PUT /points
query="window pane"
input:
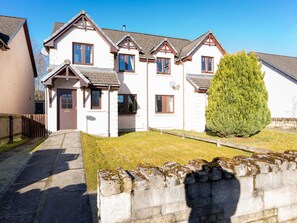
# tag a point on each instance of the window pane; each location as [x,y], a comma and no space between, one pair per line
[88,54]
[166,66]
[169,103]
[77,53]
[203,63]
[159,65]
[122,62]
[66,101]
[95,98]
[209,65]
[121,107]
[131,104]
[130,63]
[158,103]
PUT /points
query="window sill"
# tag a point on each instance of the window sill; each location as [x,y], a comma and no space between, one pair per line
[127,72]
[125,114]
[163,113]
[164,75]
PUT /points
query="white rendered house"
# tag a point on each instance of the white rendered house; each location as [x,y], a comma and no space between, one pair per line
[281,83]
[104,81]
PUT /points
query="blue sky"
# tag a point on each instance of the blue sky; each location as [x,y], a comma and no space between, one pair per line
[264,25]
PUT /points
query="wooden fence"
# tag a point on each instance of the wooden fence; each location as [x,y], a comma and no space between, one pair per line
[16,126]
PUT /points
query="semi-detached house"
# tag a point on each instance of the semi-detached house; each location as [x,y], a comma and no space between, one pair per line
[104,81]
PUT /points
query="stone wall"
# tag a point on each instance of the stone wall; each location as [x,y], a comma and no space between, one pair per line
[261,188]
[286,123]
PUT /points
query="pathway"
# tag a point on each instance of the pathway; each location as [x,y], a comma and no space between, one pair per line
[52,187]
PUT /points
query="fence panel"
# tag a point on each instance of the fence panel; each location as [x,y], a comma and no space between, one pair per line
[16,126]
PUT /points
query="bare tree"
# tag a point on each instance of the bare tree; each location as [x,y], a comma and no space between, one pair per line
[41,62]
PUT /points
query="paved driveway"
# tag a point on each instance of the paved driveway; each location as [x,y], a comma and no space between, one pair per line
[52,187]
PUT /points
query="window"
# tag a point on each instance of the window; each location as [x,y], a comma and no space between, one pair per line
[207,64]
[164,103]
[66,101]
[163,65]
[127,104]
[82,53]
[126,62]
[95,98]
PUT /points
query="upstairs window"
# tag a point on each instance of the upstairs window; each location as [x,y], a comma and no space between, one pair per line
[126,62]
[207,64]
[83,53]
[163,65]
[164,104]
[127,104]
[95,98]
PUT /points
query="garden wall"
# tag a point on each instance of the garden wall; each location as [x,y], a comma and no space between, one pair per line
[262,188]
[287,123]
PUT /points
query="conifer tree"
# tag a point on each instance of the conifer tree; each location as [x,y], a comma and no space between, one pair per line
[237,97]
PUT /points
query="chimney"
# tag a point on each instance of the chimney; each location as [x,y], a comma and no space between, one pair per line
[124,28]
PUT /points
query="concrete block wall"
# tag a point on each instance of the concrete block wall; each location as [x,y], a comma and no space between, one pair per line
[260,188]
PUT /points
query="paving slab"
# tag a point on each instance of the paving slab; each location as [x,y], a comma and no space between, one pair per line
[52,186]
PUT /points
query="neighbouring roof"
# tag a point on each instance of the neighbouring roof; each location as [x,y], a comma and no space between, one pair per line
[90,75]
[9,27]
[147,42]
[200,82]
[285,64]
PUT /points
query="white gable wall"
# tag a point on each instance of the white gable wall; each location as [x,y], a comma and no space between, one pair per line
[282,93]
[63,47]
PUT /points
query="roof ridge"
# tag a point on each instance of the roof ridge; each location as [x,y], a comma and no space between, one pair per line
[275,54]
[197,38]
[15,17]
[146,34]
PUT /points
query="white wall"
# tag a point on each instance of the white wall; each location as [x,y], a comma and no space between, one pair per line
[63,48]
[194,66]
[159,85]
[93,121]
[282,93]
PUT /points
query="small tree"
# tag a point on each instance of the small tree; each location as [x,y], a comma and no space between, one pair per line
[237,101]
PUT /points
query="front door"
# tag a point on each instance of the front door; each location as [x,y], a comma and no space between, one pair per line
[67,109]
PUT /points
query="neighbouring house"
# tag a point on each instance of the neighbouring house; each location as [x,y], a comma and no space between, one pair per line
[281,84]
[104,81]
[17,67]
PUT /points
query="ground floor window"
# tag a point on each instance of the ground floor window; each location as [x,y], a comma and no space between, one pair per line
[95,98]
[127,104]
[164,103]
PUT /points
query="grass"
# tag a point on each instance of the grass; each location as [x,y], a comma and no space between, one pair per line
[8,146]
[267,139]
[131,149]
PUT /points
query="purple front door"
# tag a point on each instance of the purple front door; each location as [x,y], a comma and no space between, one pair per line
[67,116]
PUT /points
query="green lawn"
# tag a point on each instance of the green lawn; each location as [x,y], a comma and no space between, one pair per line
[8,146]
[266,139]
[131,149]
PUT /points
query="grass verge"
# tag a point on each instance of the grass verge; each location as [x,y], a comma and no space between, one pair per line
[131,149]
[8,146]
[266,139]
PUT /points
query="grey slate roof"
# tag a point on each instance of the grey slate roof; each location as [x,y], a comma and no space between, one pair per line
[146,41]
[185,51]
[9,26]
[91,75]
[285,64]
[199,81]
[100,76]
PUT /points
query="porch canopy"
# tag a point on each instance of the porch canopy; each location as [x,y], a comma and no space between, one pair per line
[87,76]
